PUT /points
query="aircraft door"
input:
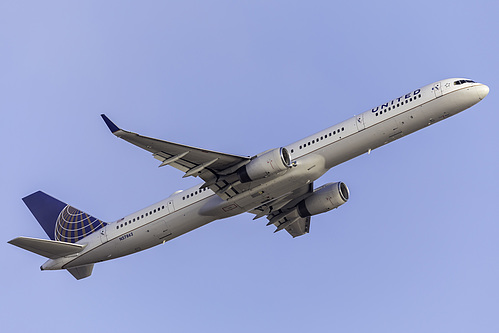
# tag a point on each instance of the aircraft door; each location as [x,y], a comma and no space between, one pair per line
[437,89]
[171,207]
[103,235]
[360,122]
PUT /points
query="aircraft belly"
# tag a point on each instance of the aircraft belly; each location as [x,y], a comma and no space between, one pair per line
[396,127]
[137,240]
[187,220]
[360,143]
[449,105]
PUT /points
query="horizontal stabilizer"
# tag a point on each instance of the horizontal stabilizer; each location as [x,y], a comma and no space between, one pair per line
[47,248]
[81,272]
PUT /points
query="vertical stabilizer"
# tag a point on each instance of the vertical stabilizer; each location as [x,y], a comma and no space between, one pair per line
[61,221]
[45,209]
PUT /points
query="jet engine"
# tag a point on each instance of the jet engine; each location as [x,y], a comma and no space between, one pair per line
[323,199]
[269,163]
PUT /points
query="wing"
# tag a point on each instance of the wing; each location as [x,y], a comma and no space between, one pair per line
[283,214]
[208,165]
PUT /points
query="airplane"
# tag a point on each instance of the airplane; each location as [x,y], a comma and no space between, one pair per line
[277,183]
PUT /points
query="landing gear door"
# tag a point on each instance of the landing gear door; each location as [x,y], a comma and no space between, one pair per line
[360,122]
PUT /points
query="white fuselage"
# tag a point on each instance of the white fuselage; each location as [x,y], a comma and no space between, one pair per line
[312,157]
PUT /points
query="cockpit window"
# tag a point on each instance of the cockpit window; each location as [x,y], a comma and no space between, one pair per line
[456,83]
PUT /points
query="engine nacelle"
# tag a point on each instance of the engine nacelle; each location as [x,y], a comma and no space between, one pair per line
[269,163]
[324,198]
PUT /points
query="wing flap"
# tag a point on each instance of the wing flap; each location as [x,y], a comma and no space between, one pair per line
[285,202]
[282,212]
[300,227]
[47,248]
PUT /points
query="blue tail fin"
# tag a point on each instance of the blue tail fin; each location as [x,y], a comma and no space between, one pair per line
[59,220]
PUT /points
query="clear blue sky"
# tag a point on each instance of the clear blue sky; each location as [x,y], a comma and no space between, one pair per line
[414,250]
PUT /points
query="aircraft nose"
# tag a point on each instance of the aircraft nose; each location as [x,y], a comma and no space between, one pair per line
[482,91]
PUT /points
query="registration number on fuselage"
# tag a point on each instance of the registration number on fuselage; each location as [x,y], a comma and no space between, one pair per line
[130,234]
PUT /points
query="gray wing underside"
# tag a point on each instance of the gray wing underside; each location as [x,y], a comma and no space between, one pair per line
[211,166]
[182,157]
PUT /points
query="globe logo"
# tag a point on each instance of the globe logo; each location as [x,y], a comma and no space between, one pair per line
[73,225]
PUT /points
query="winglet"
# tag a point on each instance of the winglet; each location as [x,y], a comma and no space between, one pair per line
[112,127]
